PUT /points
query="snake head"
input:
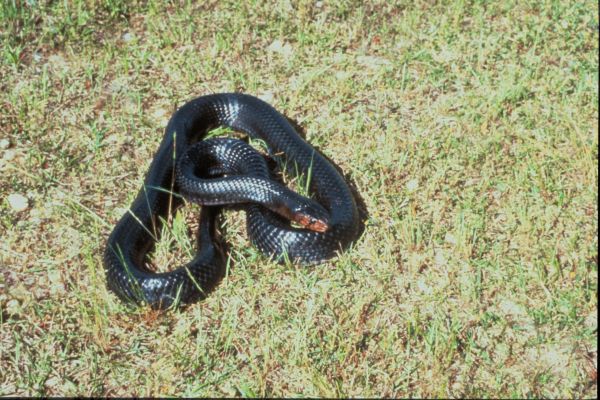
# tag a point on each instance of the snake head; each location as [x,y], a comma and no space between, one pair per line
[311,223]
[304,211]
[310,215]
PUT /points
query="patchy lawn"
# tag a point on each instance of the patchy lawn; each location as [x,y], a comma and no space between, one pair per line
[469,128]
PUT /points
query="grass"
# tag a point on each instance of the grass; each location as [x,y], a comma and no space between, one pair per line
[469,128]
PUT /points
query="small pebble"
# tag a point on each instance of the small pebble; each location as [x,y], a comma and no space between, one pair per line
[449,238]
[4,144]
[280,47]
[412,185]
[266,96]
[9,155]
[17,202]
[13,307]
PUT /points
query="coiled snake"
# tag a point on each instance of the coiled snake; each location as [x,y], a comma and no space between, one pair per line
[216,172]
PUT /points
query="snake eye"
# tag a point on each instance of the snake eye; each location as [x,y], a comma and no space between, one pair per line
[318,225]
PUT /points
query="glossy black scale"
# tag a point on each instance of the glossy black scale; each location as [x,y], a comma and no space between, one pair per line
[135,233]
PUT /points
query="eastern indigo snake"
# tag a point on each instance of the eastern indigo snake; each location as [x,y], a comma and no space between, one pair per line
[216,172]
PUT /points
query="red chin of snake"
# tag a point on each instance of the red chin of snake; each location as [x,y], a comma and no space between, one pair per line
[316,225]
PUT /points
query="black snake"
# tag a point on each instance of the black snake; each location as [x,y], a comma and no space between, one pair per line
[217,172]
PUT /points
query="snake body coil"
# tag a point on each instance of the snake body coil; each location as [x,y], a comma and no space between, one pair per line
[225,171]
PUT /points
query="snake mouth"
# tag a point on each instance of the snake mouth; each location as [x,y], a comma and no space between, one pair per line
[311,223]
